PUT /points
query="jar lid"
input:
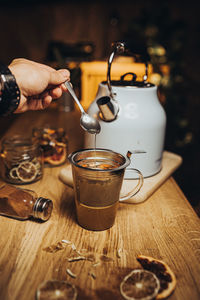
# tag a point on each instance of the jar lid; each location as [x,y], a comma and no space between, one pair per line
[19,143]
[42,209]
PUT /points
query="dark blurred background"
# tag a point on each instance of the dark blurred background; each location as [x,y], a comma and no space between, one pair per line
[57,32]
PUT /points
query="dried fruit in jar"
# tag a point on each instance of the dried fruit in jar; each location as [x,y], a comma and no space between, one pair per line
[13,173]
[26,171]
[53,143]
[58,156]
[21,160]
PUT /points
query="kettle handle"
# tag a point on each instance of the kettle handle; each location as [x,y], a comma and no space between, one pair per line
[118,47]
[134,76]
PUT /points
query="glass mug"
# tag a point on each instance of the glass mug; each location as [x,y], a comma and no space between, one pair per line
[98,175]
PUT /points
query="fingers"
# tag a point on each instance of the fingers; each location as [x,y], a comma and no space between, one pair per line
[59,77]
[46,101]
[64,88]
[39,104]
[39,89]
[34,104]
[54,93]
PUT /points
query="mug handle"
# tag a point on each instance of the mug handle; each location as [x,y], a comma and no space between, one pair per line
[136,188]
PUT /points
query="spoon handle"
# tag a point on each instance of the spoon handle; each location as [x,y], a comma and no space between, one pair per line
[71,90]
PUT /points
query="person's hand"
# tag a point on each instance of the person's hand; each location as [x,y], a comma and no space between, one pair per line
[39,84]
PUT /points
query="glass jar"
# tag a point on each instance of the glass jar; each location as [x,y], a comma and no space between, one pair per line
[22,161]
[54,143]
[22,204]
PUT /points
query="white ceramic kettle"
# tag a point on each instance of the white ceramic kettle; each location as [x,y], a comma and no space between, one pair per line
[131,118]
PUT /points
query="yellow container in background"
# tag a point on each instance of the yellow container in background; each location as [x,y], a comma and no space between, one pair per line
[93,73]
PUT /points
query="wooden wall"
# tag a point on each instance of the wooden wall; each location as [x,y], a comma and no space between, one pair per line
[26,27]
[30,27]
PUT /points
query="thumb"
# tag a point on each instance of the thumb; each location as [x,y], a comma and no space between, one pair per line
[58,77]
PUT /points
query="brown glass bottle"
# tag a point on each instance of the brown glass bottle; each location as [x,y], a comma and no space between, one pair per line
[22,204]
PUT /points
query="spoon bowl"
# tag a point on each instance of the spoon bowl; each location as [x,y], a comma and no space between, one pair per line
[87,122]
[90,124]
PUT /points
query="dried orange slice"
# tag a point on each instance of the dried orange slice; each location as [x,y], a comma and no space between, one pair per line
[56,290]
[57,158]
[26,171]
[162,271]
[49,131]
[13,173]
[140,285]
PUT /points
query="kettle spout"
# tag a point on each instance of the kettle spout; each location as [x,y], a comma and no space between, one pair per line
[130,152]
[108,108]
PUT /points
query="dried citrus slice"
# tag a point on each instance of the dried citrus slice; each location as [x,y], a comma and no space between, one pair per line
[36,162]
[13,173]
[140,285]
[162,271]
[38,165]
[57,158]
[26,171]
[56,290]
[49,130]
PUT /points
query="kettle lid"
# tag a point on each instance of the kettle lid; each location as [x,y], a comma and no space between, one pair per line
[122,82]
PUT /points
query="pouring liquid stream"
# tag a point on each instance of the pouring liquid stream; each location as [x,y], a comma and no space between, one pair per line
[95,146]
[97,162]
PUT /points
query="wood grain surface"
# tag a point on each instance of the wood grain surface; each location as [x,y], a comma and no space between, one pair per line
[165,227]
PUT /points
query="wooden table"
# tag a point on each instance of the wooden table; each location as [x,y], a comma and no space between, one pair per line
[165,227]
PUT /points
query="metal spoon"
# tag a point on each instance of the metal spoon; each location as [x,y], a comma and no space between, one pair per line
[87,122]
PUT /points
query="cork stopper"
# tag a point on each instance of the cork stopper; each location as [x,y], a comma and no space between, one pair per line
[42,209]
